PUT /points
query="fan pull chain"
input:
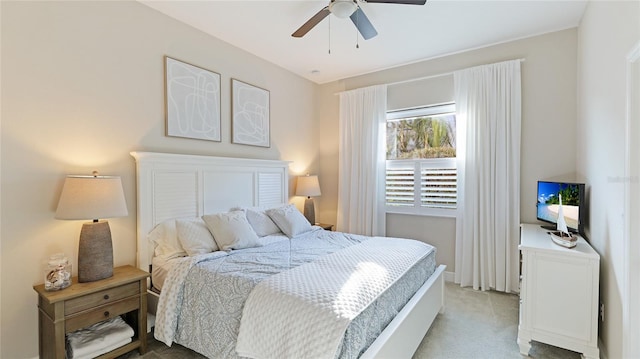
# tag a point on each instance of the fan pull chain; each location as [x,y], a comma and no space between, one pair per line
[357,27]
[329,35]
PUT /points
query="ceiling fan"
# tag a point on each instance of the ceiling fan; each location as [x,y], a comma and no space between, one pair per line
[351,9]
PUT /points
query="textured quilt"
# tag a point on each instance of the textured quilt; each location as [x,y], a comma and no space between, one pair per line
[203,296]
[305,311]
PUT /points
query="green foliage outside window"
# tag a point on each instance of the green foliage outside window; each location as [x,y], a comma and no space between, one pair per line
[421,137]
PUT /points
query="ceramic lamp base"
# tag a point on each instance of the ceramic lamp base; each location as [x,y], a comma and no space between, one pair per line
[309,210]
[95,252]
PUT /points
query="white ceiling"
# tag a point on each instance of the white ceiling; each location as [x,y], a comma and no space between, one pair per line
[406,33]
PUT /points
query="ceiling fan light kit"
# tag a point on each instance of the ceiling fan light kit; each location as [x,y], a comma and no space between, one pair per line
[343,8]
[350,8]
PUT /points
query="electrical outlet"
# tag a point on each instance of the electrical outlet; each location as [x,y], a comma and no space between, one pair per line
[602,311]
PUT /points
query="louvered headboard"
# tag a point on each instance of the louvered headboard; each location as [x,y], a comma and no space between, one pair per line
[176,186]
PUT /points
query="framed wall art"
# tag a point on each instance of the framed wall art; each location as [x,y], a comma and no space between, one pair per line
[249,114]
[192,97]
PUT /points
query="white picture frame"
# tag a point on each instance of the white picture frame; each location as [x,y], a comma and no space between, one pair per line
[250,114]
[192,100]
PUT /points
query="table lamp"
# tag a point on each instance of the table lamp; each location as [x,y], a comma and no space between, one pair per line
[308,186]
[93,197]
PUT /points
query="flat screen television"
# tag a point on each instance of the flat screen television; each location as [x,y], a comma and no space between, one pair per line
[573,204]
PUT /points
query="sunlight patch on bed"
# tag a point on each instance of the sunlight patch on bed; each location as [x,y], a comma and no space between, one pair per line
[365,278]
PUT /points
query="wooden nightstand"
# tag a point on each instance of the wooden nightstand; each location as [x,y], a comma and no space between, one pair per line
[325,226]
[83,304]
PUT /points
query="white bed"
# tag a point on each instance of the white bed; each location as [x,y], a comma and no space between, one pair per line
[174,186]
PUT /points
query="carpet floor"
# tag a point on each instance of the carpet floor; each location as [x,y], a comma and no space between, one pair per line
[474,325]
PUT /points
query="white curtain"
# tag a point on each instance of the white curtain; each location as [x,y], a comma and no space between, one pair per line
[362,161]
[488,103]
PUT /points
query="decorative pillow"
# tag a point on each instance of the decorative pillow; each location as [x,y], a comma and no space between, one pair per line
[261,223]
[231,230]
[165,237]
[289,220]
[195,237]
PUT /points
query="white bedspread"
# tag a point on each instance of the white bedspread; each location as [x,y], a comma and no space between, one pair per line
[304,312]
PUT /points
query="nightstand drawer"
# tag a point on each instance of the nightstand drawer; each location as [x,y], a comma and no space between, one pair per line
[100,298]
[101,313]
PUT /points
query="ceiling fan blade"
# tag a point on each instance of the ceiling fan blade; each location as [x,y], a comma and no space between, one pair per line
[363,24]
[315,20]
[405,2]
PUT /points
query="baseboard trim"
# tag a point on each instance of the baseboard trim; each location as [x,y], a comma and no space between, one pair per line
[449,277]
[603,349]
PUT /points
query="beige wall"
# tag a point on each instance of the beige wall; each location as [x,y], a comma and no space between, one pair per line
[82,86]
[548,121]
[418,93]
[438,231]
[327,114]
[607,33]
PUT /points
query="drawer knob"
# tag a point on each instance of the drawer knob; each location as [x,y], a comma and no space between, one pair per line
[106,314]
[106,297]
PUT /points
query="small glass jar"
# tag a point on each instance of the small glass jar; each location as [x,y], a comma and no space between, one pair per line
[57,274]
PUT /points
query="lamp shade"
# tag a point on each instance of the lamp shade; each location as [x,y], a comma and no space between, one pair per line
[91,197]
[308,186]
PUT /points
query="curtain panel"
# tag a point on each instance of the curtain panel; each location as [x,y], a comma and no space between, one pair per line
[362,161]
[488,103]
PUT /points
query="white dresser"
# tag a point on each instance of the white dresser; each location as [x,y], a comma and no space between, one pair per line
[558,293]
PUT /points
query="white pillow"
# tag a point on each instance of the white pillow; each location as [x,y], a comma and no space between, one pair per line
[231,230]
[194,236]
[165,237]
[261,223]
[289,220]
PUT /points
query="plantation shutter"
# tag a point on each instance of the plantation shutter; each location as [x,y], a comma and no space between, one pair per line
[421,186]
[400,185]
[438,188]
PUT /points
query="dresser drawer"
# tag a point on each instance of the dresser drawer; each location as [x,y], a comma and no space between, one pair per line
[107,296]
[101,313]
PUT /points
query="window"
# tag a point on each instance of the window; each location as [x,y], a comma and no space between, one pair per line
[421,161]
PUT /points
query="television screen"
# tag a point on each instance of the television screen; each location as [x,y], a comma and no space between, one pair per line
[572,203]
